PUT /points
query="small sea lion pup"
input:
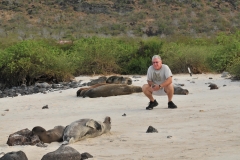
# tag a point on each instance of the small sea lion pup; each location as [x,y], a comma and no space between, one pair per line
[85,128]
[52,135]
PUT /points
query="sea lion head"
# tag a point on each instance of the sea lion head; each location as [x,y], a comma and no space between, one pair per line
[79,92]
[127,80]
[38,130]
[107,122]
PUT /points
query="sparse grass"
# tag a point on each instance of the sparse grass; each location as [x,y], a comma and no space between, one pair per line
[60,14]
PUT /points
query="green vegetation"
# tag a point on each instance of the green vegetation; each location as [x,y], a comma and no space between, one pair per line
[26,60]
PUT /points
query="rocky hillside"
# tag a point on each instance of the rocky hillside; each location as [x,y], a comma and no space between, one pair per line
[69,19]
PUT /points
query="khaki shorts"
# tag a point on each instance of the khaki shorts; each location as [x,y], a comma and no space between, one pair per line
[160,92]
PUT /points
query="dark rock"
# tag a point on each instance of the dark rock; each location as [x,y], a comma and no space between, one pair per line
[43,85]
[124,114]
[151,130]
[213,86]
[74,85]
[23,137]
[63,153]
[180,91]
[225,74]
[57,86]
[45,107]
[136,77]
[35,90]
[169,136]
[19,155]
[86,155]
[42,90]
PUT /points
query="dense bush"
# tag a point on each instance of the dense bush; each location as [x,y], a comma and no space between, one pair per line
[27,61]
[234,69]
[179,57]
[100,55]
[139,61]
[228,51]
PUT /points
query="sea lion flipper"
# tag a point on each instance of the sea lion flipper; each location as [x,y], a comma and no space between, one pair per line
[94,124]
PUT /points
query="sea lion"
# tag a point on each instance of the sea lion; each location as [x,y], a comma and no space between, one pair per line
[81,91]
[52,135]
[119,80]
[112,90]
[85,128]
[96,81]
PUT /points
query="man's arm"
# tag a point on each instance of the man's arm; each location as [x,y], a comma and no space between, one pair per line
[166,82]
[150,83]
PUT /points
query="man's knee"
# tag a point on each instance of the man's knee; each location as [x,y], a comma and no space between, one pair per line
[145,87]
[169,88]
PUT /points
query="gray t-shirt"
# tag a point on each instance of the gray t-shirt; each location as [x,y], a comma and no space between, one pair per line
[158,76]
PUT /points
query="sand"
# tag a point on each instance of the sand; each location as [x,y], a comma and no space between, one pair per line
[205,125]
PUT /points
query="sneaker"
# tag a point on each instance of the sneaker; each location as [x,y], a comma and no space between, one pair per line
[151,105]
[171,105]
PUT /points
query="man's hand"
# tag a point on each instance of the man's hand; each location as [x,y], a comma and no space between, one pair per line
[155,87]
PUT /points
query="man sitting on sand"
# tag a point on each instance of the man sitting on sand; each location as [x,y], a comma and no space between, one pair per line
[159,79]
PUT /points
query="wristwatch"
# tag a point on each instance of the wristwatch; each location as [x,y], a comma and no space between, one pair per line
[160,86]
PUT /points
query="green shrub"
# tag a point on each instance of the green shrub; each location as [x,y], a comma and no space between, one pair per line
[180,56]
[228,52]
[31,59]
[99,55]
[139,61]
[234,69]
[28,60]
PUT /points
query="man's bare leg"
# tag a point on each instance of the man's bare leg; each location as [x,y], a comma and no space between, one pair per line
[170,91]
[146,90]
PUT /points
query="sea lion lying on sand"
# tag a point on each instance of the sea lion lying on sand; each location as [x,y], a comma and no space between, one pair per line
[119,80]
[106,90]
[85,128]
[81,91]
[112,80]
[52,135]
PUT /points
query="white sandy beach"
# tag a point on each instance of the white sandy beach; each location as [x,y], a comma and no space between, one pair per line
[205,126]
